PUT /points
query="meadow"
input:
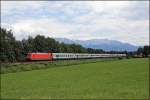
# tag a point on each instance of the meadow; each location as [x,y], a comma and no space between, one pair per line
[116,79]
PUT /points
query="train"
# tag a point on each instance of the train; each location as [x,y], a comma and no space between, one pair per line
[67,56]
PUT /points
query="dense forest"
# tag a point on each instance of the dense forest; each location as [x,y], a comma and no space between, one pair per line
[13,50]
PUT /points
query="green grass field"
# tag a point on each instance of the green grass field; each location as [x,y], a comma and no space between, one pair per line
[119,79]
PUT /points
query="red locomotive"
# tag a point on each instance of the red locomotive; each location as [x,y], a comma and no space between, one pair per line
[39,56]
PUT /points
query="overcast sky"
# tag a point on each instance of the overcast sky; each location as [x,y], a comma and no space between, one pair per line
[126,21]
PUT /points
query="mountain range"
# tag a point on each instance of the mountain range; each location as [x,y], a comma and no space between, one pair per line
[105,44]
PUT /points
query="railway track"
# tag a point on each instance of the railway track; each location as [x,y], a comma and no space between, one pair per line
[30,62]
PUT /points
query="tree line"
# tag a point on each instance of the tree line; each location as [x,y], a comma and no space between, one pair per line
[13,50]
[143,52]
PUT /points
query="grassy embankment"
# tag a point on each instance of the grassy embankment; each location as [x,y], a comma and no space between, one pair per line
[28,66]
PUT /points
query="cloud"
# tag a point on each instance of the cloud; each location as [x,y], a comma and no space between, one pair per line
[47,27]
[127,21]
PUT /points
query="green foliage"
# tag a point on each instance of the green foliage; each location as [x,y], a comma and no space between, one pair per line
[7,44]
[145,51]
[90,50]
[120,79]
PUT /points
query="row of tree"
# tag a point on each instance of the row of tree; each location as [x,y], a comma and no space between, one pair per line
[143,52]
[13,50]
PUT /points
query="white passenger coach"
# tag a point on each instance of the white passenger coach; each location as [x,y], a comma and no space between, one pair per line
[84,55]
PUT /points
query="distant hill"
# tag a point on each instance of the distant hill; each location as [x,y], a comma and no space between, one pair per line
[105,44]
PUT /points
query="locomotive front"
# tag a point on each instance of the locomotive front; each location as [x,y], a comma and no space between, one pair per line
[39,56]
